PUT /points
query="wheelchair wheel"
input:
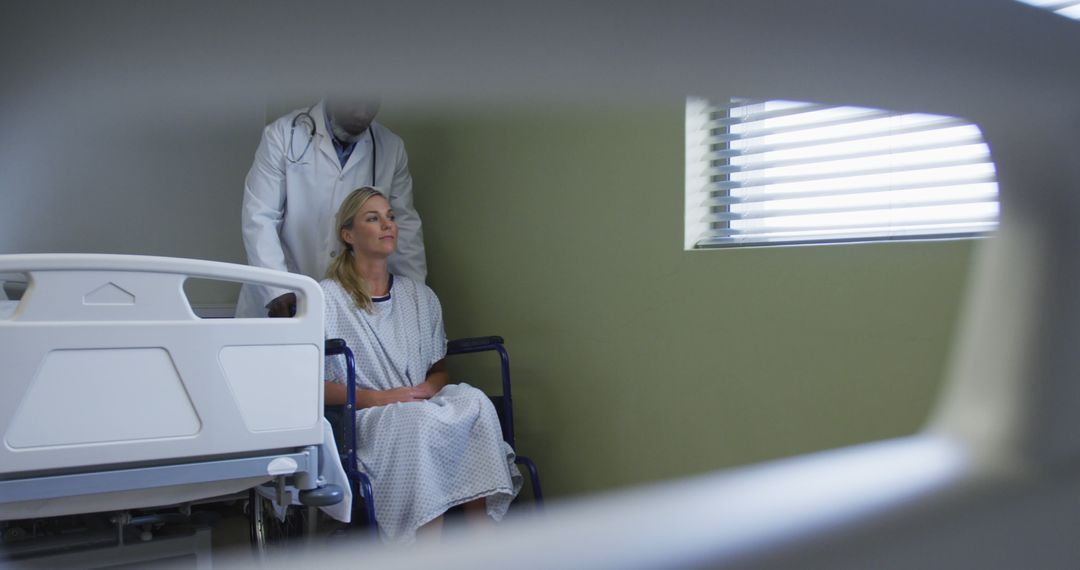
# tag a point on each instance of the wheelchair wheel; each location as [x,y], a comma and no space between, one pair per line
[270,535]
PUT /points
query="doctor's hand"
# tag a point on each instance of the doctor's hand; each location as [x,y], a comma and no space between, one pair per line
[283,306]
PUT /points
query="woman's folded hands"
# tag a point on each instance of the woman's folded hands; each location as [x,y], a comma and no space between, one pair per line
[374,398]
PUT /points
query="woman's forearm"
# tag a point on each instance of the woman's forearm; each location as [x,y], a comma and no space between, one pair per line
[334,394]
[437,379]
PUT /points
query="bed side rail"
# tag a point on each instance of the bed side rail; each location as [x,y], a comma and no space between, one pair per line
[105,363]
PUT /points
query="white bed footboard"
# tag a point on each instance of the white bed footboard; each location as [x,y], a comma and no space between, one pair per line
[104,363]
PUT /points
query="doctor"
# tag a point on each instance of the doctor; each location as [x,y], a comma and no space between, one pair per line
[307,162]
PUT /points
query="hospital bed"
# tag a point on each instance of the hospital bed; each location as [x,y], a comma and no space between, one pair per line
[115,396]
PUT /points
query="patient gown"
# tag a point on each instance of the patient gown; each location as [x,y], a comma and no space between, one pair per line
[422,457]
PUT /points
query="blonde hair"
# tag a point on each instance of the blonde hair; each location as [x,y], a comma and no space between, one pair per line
[342,268]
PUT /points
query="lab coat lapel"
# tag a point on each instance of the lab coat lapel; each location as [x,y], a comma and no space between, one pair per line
[326,145]
[360,154]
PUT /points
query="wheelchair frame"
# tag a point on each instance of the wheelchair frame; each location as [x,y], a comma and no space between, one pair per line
[361,483]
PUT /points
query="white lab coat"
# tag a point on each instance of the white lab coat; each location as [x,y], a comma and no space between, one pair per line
[289,209]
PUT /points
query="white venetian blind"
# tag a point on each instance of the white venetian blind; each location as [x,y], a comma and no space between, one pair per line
[1067,8]
[765,172]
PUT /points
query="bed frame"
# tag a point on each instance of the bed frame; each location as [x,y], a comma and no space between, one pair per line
[115,395]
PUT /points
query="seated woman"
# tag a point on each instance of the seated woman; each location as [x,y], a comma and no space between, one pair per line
[426,445]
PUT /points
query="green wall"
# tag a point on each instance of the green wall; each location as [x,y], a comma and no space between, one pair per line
[636,361]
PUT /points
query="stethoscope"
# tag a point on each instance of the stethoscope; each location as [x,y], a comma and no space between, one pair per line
[305,116]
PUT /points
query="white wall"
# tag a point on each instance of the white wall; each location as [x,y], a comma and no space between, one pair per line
[118,169]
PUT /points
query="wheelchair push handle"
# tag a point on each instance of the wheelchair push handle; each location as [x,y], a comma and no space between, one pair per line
[334,346]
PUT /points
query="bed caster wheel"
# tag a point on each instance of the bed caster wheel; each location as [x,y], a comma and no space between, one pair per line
[13,533]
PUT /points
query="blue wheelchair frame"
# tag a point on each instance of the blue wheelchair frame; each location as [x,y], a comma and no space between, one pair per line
[503,403]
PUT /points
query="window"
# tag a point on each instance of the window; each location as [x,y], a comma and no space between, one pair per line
[1067,8]
[787,172]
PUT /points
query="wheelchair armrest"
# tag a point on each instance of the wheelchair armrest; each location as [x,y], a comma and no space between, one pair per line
[473,344]
[502,403]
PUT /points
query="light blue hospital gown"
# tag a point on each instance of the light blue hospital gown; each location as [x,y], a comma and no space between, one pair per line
[422,457]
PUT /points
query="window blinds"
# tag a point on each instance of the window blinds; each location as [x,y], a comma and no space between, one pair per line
[793,172]
[1067,8]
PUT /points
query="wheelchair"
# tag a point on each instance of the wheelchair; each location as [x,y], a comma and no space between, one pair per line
[343,419]
[270,533]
